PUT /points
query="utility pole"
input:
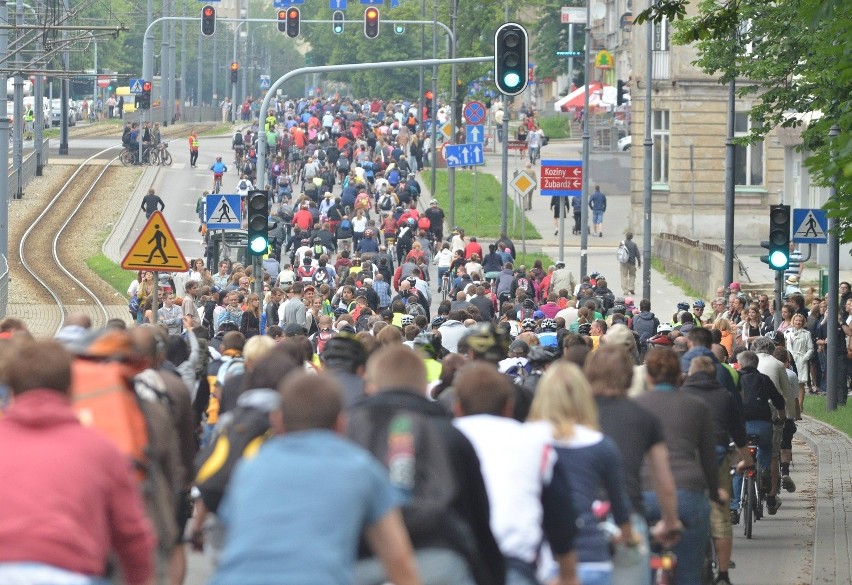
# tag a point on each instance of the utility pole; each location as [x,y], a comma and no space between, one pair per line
[4,137]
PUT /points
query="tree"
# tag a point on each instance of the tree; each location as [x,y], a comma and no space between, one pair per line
[794,59]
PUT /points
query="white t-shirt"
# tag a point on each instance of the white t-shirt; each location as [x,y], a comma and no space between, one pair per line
[359,224]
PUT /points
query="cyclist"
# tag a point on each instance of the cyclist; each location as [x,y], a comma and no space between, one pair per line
[239,148]
[218,169]
[758,392]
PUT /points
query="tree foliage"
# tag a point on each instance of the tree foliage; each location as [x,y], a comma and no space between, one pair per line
[796,60]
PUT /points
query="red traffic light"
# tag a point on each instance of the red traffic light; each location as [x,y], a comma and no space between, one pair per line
[208,21]
[146,86]
[293,24]
[235,66]
[209,11]
[282,21]
[428,95]
[294,13]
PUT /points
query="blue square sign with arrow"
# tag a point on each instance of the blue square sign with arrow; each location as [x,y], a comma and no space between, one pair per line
[464,155]
[474,133]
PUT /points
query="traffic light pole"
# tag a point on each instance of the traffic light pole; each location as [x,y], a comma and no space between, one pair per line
[262,147]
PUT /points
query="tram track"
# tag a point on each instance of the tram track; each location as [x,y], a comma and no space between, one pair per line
[42,249]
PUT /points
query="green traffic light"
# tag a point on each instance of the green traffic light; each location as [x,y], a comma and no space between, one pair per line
[258,245]
[778,259]
[338,29]
[511,79]
[399,29]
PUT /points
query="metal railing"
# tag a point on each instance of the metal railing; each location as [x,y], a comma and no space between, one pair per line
[4,286]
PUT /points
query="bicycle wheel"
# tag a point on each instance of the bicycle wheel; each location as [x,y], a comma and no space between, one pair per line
[748,506]
[126,157]
[166,158]
[216,186]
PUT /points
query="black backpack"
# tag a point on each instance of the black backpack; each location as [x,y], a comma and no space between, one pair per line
[241,436]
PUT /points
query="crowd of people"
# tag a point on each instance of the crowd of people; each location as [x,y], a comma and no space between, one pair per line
[348,426]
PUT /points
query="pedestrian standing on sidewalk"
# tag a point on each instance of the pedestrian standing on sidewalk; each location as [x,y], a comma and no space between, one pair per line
[628,269]
[557,204]
[531,173]
[597,203]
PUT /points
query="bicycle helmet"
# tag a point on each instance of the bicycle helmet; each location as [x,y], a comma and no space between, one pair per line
[218,159]
[619,309]
[584,328]
[344,350]
[683,306]
[368,233]
[411,221]
[487,341]
[407,320]
[433,202]
[664,328]
[529,304]
[548,324]
[426,342]
[773,336]
[438,321]
[699,304]
[340,311]
[528,324]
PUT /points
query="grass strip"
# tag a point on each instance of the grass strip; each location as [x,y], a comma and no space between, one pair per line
[840,418]
[478,213]
[111,272]
[658,265]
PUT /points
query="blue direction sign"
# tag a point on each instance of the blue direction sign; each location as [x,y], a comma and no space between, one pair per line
[810,226]
[474,133]
[223,212]
[474,112]
[464,155]
[372,1]
[265,82]
[561,178]
[285,3]
[136,86]
[337,4]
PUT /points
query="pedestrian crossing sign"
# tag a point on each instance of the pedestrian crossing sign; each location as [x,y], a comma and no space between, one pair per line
[223,212]
[136,86]
[810,226]
[155,248]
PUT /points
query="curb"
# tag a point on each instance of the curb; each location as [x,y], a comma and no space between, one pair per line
[832,557]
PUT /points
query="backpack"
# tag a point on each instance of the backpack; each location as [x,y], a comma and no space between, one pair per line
[417,454]
[524,283]
[393,177]
[321,338]
[423,223]
[306,273]
[241,436]
[414,308]
[346,224]
[319,249]
[622,254]
[343,164]
[243,185]
[386,202]
[321,276]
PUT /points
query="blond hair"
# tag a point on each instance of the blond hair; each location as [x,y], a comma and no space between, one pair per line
[564,398]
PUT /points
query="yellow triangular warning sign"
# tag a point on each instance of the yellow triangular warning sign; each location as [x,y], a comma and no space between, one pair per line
[155,248]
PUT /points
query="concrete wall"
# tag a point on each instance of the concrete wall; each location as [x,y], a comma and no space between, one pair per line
[699,265]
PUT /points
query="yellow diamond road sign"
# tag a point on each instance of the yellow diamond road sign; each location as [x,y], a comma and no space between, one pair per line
[523,183]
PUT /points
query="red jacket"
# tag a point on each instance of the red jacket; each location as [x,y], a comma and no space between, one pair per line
[68,497]
[472,248]
[304,219]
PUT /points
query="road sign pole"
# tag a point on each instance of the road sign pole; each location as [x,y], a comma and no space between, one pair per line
[154,304]
[504,199]
[562,230]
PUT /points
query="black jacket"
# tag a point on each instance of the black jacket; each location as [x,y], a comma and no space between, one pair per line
[465,526]
[726,416]
[758,391]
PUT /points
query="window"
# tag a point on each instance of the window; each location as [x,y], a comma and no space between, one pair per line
[660,136]
[748,159]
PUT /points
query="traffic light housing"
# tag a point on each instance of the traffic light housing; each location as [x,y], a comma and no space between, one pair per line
[294,24]
[208,21]
[145,96]
[619,93]
[338,19]
[778,243]
[257,205]
[282,21]
[511,58]
[371,22]
[235,70]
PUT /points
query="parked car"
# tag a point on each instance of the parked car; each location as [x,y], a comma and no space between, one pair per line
[624,143]
[56,113]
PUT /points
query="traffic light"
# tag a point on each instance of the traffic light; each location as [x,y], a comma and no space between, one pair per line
[619,93]
[282,21]
[145,96]
[399,29]
[511,56]
[258,222]
[778,243]
[208,21]
[337,22]
[293,23]
[235,70]
[371,22]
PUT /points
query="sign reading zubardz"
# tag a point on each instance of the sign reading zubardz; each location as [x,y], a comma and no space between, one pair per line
[561,178]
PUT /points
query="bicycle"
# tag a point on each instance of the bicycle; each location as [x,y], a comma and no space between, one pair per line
[239,156]
[161,155]
[663,563]
[751,496]
[743,268]
[217,183]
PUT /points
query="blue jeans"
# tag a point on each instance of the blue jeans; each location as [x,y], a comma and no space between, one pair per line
[594,574]
[441,272]
[435,566]
[763,429]
[693,508]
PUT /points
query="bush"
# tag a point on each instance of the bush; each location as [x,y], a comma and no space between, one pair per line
[556,126]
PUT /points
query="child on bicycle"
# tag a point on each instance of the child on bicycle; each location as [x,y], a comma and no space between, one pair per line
[218,169]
